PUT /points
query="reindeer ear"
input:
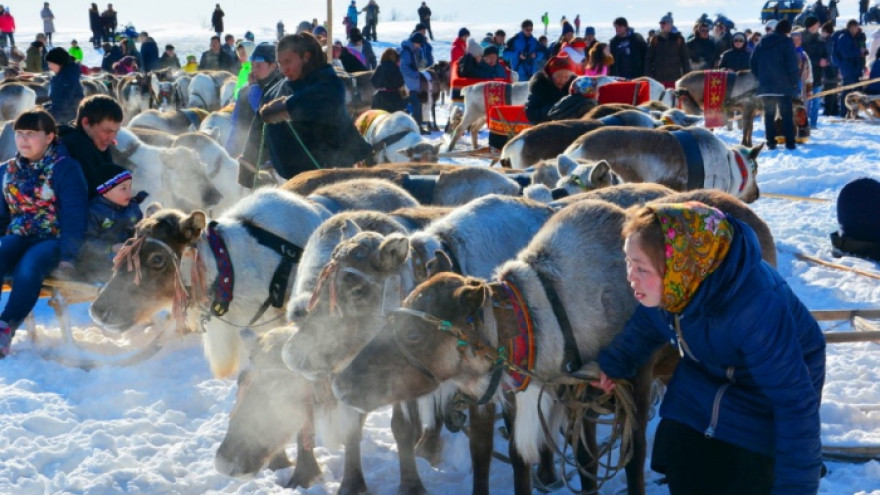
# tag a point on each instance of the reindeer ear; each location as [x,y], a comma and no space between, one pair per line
[392,252]
[472,295]
[599,174]
[440,263]
[565,165]
[152,209]
[753,153]
[192,226]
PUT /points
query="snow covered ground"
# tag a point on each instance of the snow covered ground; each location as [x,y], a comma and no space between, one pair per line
[153,428]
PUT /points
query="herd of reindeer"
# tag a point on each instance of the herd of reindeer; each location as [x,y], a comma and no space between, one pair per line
[341,291]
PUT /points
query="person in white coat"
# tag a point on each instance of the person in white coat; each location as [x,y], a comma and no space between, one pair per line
[48,22]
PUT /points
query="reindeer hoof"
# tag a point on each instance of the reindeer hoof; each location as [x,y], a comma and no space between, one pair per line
[353,487]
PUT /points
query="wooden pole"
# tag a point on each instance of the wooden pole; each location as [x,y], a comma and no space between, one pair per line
[329,47]
[844,314]
[836,266]
[845,337]
[844,88]
[792,197]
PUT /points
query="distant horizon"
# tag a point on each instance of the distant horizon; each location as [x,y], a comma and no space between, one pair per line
[258,14]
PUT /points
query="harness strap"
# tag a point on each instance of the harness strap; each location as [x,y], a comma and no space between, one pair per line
[389,140]
[290,255]
[225,284]
[572,357]
[693,157]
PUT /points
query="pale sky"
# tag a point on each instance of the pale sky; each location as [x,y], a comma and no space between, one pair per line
[72,15]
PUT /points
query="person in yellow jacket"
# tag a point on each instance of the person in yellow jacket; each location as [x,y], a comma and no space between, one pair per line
[192,64]
[75,51]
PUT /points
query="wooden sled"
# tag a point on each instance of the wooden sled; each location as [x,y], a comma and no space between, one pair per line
[70,351]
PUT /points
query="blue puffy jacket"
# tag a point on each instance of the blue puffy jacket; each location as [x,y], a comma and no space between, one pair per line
[848,57]
[775,65]
[411,61]
[753,363]
[527,46]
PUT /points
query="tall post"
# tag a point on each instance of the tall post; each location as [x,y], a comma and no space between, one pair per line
[329,47]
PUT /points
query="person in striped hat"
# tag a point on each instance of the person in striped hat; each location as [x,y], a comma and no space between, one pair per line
[113,214]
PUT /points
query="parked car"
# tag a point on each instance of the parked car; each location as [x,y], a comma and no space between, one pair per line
[778,10]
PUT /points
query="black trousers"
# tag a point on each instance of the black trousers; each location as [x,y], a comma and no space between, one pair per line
[786,114]
[696,465]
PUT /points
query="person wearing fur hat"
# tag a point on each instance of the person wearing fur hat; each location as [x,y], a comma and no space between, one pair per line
[65,90]
[42,216]
[737,58]
[741,413]
[113,213]
[467,65]
[667,58]
[489,68]
[460,45]
[548,86]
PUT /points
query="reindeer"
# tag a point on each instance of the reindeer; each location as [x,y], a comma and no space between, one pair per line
[741,95]
[341,311]
[678,158]
[263,237]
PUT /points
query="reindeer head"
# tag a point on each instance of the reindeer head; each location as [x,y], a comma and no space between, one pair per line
[146,270]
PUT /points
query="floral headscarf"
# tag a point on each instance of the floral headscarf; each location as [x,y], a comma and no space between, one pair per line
[696,238]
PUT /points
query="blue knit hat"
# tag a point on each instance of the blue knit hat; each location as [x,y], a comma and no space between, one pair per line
[567,28]
[110,177]
[320,31]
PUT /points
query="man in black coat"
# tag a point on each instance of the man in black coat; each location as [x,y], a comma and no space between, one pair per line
[737,58]
[628,49]
[774,63]
[217,20]
[425,18]
[149,53]
[702,49]
[308,126]
[98,119]
[817,50]
[65,90]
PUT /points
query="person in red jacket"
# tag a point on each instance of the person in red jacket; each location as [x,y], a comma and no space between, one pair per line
[459,46]
[7,28]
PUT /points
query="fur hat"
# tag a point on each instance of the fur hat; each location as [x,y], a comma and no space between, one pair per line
[490,50]
[264,52]
[567,28]
[463,32]
[810,21]
[58,56]
[419,38]
[474,48]
[667,19]
[111,176]
[558,63]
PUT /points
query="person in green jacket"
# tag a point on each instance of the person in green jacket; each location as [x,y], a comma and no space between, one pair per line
[75,51]
[545,20]
[243,50]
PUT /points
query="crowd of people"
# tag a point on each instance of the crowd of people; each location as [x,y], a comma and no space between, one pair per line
[65,206]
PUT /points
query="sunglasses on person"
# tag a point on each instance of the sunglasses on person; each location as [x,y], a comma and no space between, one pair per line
[738,40]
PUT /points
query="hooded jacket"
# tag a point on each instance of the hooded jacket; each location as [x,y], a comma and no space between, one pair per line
[411,60]
[752,367]
[775,65]
[735,59]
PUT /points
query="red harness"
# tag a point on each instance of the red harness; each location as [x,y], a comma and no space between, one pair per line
[521,348]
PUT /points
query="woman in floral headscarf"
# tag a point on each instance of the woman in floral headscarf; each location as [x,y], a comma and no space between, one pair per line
[741,413]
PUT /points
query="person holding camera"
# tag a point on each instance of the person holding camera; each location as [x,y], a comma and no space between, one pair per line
[521,51]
